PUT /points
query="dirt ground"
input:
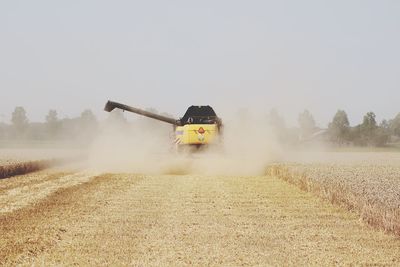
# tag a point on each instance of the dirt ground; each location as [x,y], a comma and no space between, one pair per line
[127,219]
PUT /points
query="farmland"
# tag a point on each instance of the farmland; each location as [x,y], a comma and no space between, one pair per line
[370,190]
[78,217]
[223,133]
[367,183]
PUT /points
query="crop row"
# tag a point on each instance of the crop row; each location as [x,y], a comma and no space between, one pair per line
[20,168]
[373,191]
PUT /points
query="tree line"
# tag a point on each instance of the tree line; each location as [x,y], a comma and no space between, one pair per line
[339,131]
[83,127]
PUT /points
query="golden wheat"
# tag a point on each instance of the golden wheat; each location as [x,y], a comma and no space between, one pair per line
[373,191]
[13,168]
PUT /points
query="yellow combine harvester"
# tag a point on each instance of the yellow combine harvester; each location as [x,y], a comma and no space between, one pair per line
[198,127]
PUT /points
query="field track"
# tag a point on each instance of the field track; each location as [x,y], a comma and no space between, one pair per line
[127,219]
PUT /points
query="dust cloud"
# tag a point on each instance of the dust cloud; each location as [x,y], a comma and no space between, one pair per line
[146,147]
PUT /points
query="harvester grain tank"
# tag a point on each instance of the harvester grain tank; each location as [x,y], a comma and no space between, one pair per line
[198,127]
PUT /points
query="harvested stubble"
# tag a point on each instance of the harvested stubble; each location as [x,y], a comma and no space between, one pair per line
[373,191]
[186,220]
[20,168]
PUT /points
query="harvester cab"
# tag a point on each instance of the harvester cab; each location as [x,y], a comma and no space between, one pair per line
[198,127]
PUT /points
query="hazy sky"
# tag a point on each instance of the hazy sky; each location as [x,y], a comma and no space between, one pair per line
[288,55]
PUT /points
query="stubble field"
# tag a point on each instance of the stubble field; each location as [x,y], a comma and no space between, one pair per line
[79,217]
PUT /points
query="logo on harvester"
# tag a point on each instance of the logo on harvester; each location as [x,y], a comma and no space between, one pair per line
[200,134]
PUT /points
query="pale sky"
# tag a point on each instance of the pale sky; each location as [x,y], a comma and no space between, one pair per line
[288,55]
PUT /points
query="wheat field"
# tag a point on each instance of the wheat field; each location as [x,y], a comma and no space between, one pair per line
[371,190]
[76,217]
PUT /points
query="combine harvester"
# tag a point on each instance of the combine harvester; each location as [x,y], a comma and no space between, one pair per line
[199,127]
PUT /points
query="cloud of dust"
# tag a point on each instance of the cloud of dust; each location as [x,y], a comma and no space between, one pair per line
[146,146]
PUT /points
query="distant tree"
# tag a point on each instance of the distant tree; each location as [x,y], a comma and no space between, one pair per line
[52,123]
[369,133]
[70,128]
[88,118]
[355,136]
[382,134]
[88,125]
[385,125]
[19,121]
[339,128]
[369,122]
[52,116]
[37,131]
[394,125]
[306,123]
[368,128]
